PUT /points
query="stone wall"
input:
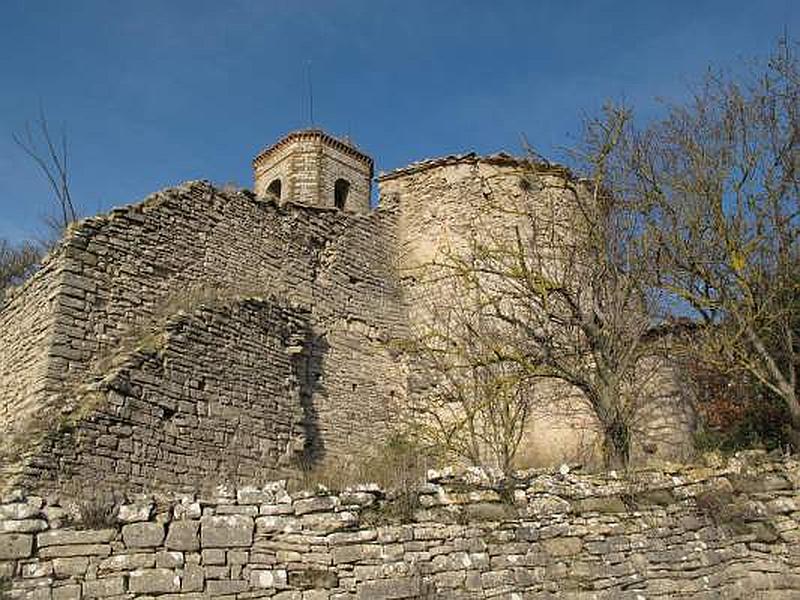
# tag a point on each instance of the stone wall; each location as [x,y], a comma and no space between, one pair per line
[27,324]
[215,395]
[117,275]
[725,531]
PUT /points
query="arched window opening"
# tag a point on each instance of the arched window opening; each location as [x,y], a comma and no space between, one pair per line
[340,190]
[274,188]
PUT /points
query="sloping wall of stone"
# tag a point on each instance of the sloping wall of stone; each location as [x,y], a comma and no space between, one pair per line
[123,272]
[216,395]
[27,334]
[731,531]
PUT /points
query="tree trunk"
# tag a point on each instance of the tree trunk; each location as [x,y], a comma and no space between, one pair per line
[617,445]
[793,403]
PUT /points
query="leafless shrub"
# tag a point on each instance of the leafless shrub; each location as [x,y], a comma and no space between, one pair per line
[17,263]
[51,155]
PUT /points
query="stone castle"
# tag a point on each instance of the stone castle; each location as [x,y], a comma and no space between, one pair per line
[207,337]
[205,333]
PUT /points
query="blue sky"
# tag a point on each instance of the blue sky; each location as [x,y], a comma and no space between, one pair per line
[155,92]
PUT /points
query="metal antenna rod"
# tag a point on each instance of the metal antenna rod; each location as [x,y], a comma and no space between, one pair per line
[310,94]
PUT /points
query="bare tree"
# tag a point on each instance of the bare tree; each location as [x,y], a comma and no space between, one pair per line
[17,262]
[555,293]
[717,181]
[468,404]
[51,155]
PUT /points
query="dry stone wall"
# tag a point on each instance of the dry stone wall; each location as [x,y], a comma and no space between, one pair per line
[27,325]
[119,274]
[727,531]
[216,395]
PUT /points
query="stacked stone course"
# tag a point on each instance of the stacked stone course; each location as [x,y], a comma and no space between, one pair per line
[729,531]
[112,277]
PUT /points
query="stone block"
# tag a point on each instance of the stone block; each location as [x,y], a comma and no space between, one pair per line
[143,535]
[275,523]
[193,579]
[224,587]
[316,504]
[169,560]
[187,509]
[228,531]
[70,567]
[37,570]
[268,578]
[77,550]
[214,557]
[238,557]
[72,537]
[233,509]
[136,512]
[326,522]
[21,510]
[389,589]
[15,545]
[23,526]
[183,536]
[154,581]
[67,592]
[127,562]
[102,588]
[254,495]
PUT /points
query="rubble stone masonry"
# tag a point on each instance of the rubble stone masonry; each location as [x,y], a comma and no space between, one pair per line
[731,530]
[206,334]
[109,290]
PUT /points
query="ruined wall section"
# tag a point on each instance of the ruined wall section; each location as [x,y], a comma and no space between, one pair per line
[136,266]
[728,531]
[213,396]
[27,338]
